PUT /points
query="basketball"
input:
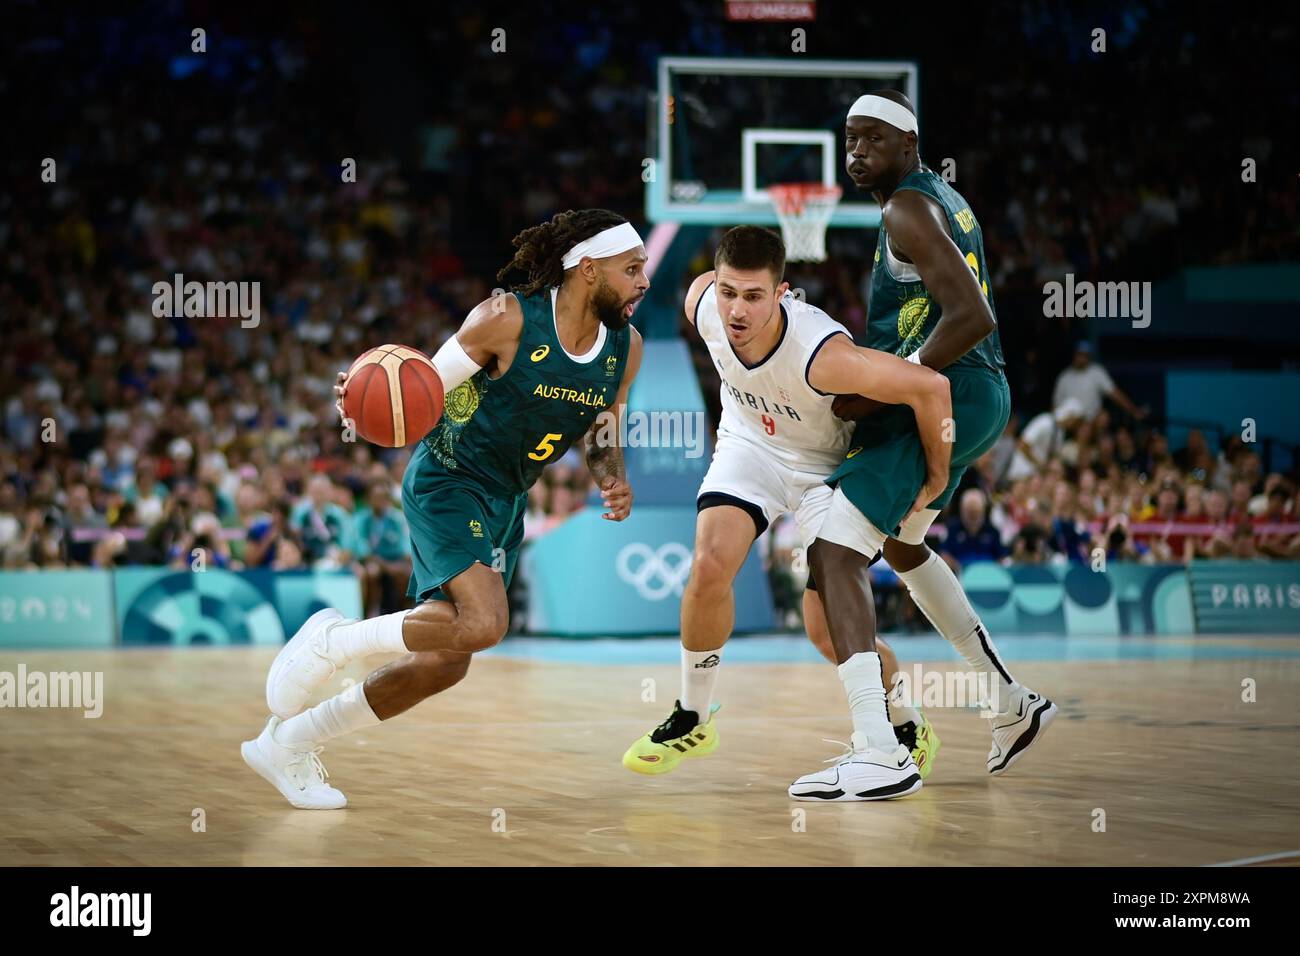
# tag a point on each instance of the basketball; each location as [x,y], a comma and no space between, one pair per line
[393,395]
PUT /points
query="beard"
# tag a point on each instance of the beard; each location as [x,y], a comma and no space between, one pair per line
[609,307]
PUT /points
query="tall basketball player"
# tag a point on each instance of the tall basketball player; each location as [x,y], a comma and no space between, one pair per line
[782,362]
[526,376]
[930,302]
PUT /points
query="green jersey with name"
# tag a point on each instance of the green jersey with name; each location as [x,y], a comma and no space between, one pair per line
[902,314]
[503,432]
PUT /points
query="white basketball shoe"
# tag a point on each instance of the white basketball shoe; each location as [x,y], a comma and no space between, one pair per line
[1018,728]
[297,774]
[861,773]
[302,667]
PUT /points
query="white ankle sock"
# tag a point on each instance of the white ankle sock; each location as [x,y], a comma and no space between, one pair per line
[900,714]
[699,675]
[899,700]
[864,684]
[341,714]
[375,635]
[938,594]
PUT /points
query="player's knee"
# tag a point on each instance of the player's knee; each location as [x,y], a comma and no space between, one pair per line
[484,627]
[903,556]
[437,670]
[834,563]
[709,572]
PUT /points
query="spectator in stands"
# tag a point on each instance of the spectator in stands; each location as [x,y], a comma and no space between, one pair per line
[125,546]
[11,527]
[1033,544]
[145,491]
[1243,542]
[1088,383]
[80,515]
[1117,541]
[42,543]
[1193,451]
[384,549]
[1043,437]
[202,546]
[1239,503]
[535,517]
[971,537]
[288,549]
[1218,543]
[324,528]
[1092,498]
[1167,545]
[1069,535]
[1277,544]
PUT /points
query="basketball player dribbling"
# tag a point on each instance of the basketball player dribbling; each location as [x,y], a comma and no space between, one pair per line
[782,362]
[930,302]
[526,376]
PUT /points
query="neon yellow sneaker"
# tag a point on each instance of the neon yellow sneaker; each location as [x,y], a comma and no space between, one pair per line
[922,741]
[681,735]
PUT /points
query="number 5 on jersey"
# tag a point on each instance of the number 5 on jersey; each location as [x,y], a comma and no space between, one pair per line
[545,447]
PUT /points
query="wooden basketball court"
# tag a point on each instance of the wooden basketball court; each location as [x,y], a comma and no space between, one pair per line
[519,765]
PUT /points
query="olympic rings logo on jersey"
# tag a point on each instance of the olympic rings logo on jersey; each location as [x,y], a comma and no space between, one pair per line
[660,573]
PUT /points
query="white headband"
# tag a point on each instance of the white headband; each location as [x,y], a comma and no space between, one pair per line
[611,242]
[877,107]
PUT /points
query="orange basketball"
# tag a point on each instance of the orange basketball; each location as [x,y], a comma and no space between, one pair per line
[394,395]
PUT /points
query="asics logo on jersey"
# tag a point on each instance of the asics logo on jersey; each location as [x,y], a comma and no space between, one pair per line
[853,451]
[540,353]
[654,573]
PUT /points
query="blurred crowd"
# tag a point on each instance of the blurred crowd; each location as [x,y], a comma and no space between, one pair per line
[127,436]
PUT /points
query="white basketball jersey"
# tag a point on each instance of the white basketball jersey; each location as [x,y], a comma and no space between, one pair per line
[771,404]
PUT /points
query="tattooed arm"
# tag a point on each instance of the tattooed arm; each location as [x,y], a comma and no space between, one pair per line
[604,454]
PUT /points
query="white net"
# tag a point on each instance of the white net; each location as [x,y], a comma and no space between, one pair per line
[805,211]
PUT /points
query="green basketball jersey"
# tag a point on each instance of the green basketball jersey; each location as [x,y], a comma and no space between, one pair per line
[502,432]
[901,313]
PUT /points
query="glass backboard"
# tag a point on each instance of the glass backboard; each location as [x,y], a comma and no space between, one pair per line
[723,130]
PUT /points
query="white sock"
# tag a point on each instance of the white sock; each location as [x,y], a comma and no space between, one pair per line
[938,594]
[341,714]
[899,700]
[864,683]
[699,674]
[901,713]
[375,635]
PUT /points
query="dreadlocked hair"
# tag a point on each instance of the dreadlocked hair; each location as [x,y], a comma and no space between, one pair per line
[539,250]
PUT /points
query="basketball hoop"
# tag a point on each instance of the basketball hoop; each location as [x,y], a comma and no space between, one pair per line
[805,211]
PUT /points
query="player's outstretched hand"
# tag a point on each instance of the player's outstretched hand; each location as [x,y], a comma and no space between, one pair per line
[617,495]
[851,408]
[338,394]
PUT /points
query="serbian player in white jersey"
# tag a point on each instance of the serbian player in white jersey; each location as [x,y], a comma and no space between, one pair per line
[782,362]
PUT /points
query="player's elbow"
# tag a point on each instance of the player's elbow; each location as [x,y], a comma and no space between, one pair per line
[934,389]
[981,323]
